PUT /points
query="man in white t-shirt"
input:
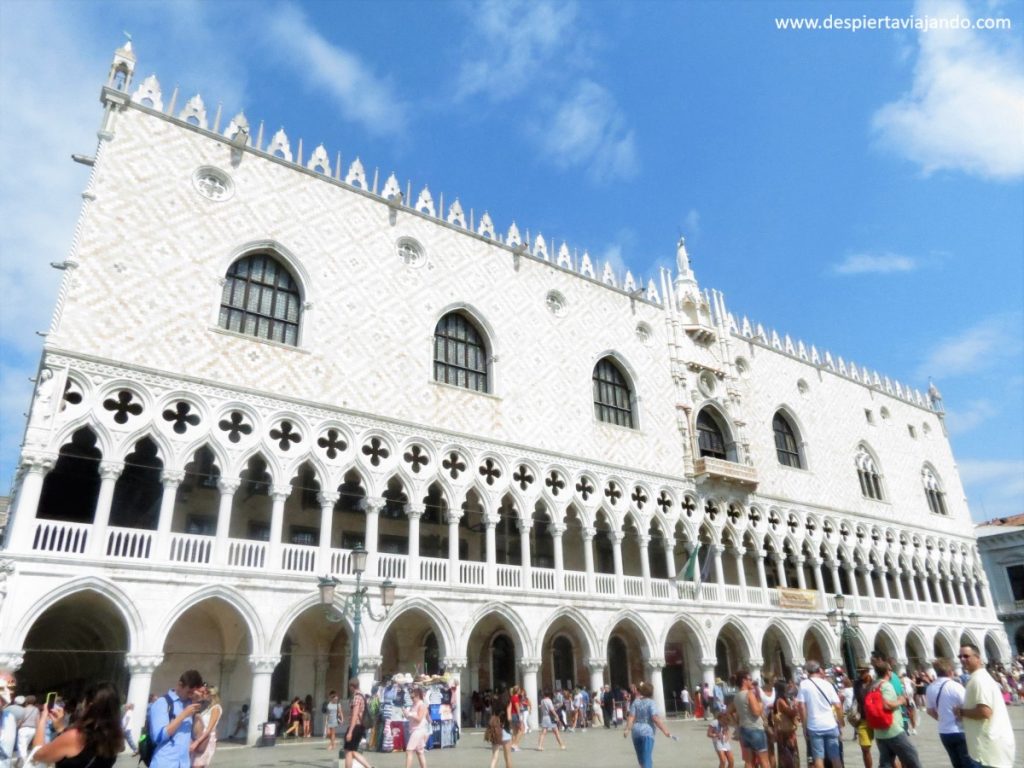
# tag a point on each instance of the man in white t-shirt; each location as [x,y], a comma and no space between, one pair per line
[942,698]
[819,707]
[984,716]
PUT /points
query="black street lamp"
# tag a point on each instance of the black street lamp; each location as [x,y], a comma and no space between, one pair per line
[846,624]
[355,604]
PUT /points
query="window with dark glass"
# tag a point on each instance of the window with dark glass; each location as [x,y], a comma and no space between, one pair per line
[709,437]
[460,357]
[867,473]
[261,299]
[933,492]
[1015,573]
[612,397]
[786,446]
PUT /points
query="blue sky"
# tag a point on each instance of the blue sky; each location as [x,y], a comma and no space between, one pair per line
[861,191]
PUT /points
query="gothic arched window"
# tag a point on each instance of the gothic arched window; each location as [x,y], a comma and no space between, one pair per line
[613,400]
[261,299]
[460,356]
[867,473]
[933,491]
[710,439]
[787,448]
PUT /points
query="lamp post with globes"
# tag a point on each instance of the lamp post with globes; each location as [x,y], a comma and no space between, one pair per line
[846,623]
[355,603]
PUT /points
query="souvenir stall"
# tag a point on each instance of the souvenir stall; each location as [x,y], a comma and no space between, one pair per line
[391,729]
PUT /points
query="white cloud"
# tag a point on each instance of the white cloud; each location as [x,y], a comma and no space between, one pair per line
[975,413]
[874,263]
[994,487]
[589,130]
[965,108]
[975,348]
[513,43]
[360,95]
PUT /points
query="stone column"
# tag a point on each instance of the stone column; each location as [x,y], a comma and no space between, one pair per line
[819,582]
[455,668]
[836,581]
[278,495]
[883,578]
[414,513]
[588,557]
[780,568]
[34,470]
[926,582]
[801,578]
[529,669]
[327,502]
[756,667]
[525,525]
[453,518]
[852,575]
[670,560]
[557,531]
[947,589]
[960,592]
[171,480]
[596,667]
[227,488]
[868,581]
[11,661]
[740,571]
[320,666]
[898,581]
[141,667]
[654,677]
[716,553]
[492,555]
[109,472]
[368,668]
[259,703]
[912,582]
[645,563]
[762,577]
[617,538]
[373,506]
[707,671]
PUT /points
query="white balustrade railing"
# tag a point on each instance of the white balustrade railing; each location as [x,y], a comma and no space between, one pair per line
[604,584]
[756,596]
[687,590]
[298,558]
[434,570]
[509,576]
[542,579]
[391,566]
[661,589]
[245,553]
[633,586]
[472,574]
[575,582]
[129,543]
[773,598]
[341,562]
[733,593]
[191,548]
[60,537]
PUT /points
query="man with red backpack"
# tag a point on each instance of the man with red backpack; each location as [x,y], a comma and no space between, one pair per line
[892,740]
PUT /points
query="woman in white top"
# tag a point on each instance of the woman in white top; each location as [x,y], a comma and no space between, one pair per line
[204,729]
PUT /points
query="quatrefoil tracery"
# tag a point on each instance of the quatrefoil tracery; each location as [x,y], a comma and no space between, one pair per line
[122,406]
[332,443]
[285,435]
[376,450]
[416,457]
[235,425]
[181,417]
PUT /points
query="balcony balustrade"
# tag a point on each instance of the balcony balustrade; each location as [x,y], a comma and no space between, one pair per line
[70,541]
[726,471]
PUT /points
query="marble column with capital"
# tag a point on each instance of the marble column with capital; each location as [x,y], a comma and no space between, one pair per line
[110,471]
[617,537]
[227,487]
[557,532]
[171,479]
[278,495]
[897,579]
[780,569]
[455,669]
[525,525]
[851,574]
[869,582]
[960,592]
[884,581]
[588,557]
[33,471]
[670,560]
[645,563]
[491,566]
[327,502]
[801,578]
[259,702]
[372,505]
[529,668]
[453,517]
[716,554]
[654,677]
[369,668]
[141,667]
[762,577]
[596,667]
[819,582]
[414,512]
[741,574]
[912,583]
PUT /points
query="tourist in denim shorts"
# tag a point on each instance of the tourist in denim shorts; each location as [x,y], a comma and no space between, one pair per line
[749,708]
[818,703]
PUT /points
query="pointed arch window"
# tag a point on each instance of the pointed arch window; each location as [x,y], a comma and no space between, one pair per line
[933,492]
[613,399]
[787,448]
[460,355]
[710,439]
[261,298]
[867,473]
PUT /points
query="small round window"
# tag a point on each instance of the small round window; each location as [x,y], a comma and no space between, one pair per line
[802,387]
[213,183]
[411,253]
[556,304]
[644,334]
[742,367]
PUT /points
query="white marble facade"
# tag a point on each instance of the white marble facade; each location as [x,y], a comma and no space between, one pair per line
[183,485]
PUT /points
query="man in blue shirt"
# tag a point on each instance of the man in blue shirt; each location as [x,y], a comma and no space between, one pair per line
[170,727]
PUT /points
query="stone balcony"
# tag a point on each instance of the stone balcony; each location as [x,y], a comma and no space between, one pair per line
[710,468]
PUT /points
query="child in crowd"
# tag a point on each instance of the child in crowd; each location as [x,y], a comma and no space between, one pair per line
[500,741]
[720,733]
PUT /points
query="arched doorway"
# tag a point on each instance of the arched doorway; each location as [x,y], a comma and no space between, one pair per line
[682,662]
[730,653]
[993,649]
[503,662]
[618,663]
[626,651]
[564,652]
[777,655]
[563,663]
[77,641]
[411,644]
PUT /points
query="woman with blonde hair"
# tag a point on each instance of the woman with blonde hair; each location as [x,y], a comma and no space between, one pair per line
[418,716]
[204,729]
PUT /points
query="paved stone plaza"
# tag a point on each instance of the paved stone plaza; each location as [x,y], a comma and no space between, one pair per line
[592,749]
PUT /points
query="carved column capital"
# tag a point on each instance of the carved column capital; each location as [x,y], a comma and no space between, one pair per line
[111,470]
[557,529]
[655,664]
[37,463]
[11,661]
[374,504]
[524,526]
[588,533]
[645,540]
[596,665]
[228,485]
[370,663]
[455,665]
[143,663]
[453,516]
[172,478]
[328,499]
[529,665]
[415,511]
[280,492]
[263,665]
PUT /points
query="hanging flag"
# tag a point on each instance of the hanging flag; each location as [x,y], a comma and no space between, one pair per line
[690,571]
